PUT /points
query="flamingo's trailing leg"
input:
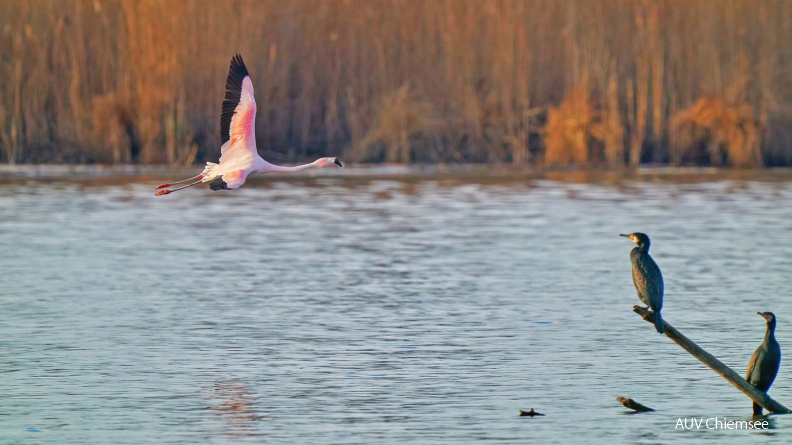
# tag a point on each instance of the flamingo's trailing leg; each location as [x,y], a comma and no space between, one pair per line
[162,186]
[165,192]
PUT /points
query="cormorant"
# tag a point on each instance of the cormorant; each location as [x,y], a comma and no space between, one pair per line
[763,367]
[647,278]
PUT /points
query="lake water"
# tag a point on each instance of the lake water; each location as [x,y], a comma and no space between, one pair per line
[385,307]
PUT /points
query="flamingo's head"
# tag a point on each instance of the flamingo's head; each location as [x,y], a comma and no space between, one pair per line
[328,162]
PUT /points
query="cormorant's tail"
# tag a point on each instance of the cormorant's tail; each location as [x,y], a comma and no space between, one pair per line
[658,322]
[757,409]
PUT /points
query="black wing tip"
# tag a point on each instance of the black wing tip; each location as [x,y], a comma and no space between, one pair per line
[237,66]
[237,71]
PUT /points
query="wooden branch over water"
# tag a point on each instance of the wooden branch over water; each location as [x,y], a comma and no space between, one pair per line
[724,371]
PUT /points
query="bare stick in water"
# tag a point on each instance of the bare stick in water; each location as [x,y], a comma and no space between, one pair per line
[761,398]
[633,405]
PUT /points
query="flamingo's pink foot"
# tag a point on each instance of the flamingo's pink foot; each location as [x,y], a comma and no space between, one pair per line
[162,192]
[161,186]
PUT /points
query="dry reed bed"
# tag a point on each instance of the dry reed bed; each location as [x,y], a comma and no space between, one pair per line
[576,82]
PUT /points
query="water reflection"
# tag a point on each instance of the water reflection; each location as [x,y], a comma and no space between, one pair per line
[236,403]
[770,419]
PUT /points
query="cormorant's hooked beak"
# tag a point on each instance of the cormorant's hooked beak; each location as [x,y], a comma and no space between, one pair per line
[624,235]
[337,162]
[766,315]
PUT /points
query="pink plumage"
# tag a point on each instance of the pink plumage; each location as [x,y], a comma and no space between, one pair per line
[239,156]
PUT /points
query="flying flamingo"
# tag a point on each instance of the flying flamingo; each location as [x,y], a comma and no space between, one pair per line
[238,154]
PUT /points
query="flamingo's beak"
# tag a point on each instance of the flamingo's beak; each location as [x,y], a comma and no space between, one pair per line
[337,162]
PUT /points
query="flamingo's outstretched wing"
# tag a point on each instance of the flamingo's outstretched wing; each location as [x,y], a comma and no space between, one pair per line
[238,115]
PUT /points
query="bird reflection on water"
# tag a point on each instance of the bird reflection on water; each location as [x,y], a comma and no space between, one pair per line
[237,406]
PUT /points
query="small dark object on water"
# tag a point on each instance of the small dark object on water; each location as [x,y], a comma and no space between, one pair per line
[646,277]
[764,363]
[530,413]
[633,405]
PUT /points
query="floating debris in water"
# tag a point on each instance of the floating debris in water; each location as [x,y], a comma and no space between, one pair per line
[633,405]
[530,413]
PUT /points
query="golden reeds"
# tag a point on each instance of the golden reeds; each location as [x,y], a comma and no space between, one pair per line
[402,117]
[572,82]
[728,132]
[568,130]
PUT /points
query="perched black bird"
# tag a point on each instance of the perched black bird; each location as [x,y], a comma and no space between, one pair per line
[763,367]
[647,278]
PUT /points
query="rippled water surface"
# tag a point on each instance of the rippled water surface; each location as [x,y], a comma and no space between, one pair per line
[333,309]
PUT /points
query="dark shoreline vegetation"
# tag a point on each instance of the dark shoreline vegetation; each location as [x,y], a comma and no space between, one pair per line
[575,83]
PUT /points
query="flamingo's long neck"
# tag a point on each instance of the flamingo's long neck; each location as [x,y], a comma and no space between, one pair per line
[267,167]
